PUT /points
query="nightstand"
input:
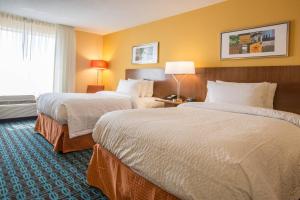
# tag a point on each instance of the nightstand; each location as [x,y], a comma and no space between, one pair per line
[94,88]
[170,103]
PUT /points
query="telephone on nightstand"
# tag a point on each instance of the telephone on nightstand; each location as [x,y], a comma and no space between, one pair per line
[171,97]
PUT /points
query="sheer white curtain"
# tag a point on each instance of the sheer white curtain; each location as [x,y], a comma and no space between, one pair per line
[28,57]
[64,71]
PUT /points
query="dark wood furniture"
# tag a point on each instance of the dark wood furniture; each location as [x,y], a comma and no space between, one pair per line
[94,88]
[287,95]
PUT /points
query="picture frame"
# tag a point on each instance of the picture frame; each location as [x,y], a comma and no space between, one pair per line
[256,42]
[145,53]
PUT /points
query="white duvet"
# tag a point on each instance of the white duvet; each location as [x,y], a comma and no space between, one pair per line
[209,151]
[81,111]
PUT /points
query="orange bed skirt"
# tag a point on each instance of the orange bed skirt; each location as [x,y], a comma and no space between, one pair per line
[58,135]
[117,181]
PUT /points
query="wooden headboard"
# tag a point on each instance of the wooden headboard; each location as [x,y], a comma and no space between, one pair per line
[287,95]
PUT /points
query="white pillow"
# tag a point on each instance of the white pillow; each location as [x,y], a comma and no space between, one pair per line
[150,85]
[146,87]
[271,94]
[131,88]
[270,89]
[250,95]
[141,86]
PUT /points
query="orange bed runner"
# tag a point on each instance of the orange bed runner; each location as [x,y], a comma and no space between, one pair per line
[117,181]
[58,135]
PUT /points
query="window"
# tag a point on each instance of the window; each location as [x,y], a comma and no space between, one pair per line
[27,53]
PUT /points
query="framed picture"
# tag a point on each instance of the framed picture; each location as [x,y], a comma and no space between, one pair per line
[271,40]
[145,53]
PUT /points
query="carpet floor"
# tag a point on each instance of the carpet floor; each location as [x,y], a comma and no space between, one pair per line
[29,169]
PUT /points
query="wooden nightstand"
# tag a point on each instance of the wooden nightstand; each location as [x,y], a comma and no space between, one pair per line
[94,88]
[169,103]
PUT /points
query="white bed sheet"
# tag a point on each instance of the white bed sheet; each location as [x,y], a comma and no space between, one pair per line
[207,151]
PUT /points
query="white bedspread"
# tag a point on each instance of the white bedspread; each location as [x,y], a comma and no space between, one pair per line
[206,151]
[81,111]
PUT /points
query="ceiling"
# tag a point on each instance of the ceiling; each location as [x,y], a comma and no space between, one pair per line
[101,16]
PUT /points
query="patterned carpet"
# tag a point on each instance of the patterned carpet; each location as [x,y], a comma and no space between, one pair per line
[29,169]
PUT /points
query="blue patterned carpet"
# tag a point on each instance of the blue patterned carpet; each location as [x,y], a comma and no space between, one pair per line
[29,169]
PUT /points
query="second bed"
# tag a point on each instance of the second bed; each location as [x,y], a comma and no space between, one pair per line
[66,120]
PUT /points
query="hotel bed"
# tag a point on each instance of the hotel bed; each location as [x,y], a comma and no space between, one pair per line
[66,120]
[200,151]
[221,151]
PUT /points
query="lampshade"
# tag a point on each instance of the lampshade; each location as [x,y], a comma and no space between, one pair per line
[101,64]
[180,67]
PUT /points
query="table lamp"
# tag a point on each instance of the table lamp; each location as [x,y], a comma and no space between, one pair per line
[182,68]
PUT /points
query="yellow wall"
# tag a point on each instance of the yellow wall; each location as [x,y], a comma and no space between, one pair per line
[196,36]
[89,47]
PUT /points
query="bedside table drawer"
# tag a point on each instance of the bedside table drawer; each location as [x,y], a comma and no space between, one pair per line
[94,88]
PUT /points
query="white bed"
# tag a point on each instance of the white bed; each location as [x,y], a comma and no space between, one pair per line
[81,111]
[209,150]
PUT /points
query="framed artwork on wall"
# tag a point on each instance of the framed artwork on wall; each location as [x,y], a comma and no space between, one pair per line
[145,53]
[264,41]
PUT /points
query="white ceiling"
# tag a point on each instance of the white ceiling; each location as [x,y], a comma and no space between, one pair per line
[101,16]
